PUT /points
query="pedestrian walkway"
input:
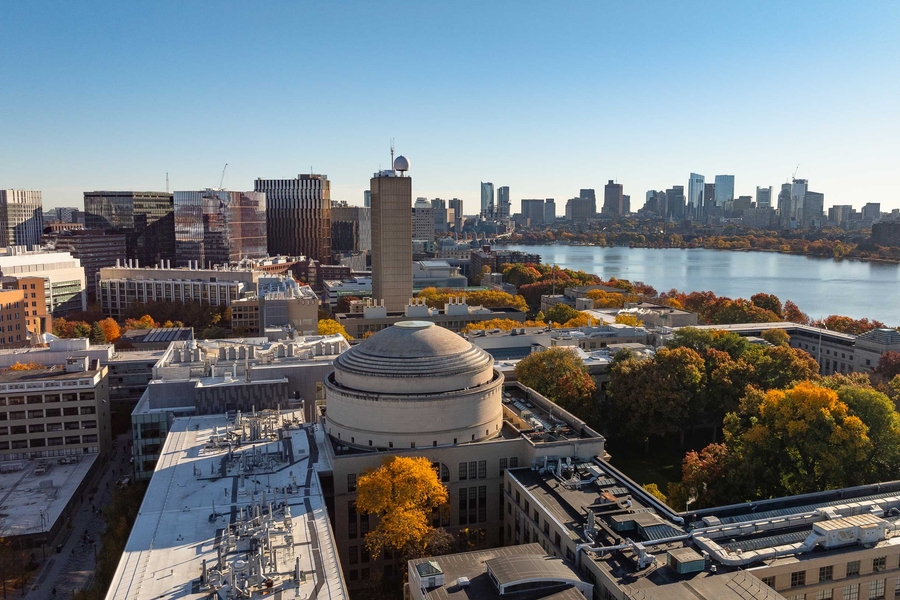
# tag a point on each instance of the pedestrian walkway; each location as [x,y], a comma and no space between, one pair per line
[73,568]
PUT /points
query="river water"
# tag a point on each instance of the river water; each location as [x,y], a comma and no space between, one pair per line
[819,286]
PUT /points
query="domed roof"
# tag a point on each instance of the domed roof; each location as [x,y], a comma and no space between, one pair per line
[419,349]
[401,163]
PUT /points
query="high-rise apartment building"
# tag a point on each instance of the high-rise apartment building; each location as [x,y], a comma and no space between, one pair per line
[423,220]
[503,204]
[298,216]
[724,189]
[146,219]
[21,218]
[214,227]
[813,209]
[784,200]
[696,188]
[675,203]
[533,211]
[763,197]
[581,209]
[871,211]
[612,198]
[626,204]
[839,214]
[392,236]
[351,228]
[549,211]
[487,199]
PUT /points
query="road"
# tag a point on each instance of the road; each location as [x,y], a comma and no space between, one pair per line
[73,568]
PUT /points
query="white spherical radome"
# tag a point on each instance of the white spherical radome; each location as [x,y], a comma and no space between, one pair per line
[401,163]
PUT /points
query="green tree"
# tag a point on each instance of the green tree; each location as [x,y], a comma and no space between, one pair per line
[700,340]
[561,313]
[781,366]
[560,375]
[768,302]
[402,492]
[81,330]
[98,336]
[776,337]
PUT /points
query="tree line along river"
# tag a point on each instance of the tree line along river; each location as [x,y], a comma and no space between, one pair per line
[819,286]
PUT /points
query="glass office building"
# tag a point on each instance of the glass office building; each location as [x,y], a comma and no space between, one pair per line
[146,218]
[214,227]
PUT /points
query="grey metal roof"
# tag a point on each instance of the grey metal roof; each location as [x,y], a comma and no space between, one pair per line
[511,569]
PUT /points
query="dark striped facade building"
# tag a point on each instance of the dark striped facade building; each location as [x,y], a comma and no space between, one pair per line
[298,216]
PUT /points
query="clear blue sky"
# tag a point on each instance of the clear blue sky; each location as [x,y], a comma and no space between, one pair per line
[546,97]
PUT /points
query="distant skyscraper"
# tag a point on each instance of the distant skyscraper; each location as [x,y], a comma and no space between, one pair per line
[839,214]
[588,194]
[367,199]
[612,198]
[147,219]
[533,211]
[549,211]
[457,205]
[626,204]
[798,192]
[487,199]
[21,218]
[784,200]
[709,196]
[696,187]
[442,218]
[392,236]
[351,228]
[871,211]
[724,189]
[813,208]
[581,209]
[763,197]
[675,203]
[423,220]
[503,204]
[298,216]
[214,227]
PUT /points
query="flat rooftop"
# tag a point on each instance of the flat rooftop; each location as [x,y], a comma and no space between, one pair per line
[55,373]
[25,492]
[241,497]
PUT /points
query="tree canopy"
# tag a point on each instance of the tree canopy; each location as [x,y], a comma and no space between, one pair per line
[560,375]
[402,492]
[332,327]
[436,298]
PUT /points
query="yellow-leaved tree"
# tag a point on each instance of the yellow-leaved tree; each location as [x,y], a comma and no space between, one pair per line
[402,492]
[629,319]
[331,327]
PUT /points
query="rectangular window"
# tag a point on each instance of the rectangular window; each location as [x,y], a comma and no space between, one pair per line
[825,594]
[826,573]
[463,506]
[351,482]
[354,555]
[351,520]
[798,578]
[473,505]
[364,554]
[514,462]
[852,568]
[482,469]
[851,592]
[557,541]
[463,471]
[482,504]
[502,465]
[473,470]
[879,563]
[876,589]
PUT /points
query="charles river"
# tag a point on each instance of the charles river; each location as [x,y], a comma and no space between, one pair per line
[819,286]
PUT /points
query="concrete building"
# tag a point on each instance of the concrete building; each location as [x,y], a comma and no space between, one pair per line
[613,199]
[839,214]
[280,302]
[269,540]
[423,220]
[158,338]
[383,399]
[487,200]
[121,287]
[758,218]
[696,189]
[581,209]
[675,201]
[21,218]
[298,215]
[871,212]
[351,228]
[456,205]
[549,211]
[886,233]
[94,249]
[372,316]
[204,377]
[798,193]
[146,219]
[392,235]
[214,227]
[56,411]
[764,197]
[63,275]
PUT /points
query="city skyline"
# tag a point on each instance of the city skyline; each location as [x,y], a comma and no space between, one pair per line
[113,115]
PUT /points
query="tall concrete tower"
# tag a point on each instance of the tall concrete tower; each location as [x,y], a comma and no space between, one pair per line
[392,236]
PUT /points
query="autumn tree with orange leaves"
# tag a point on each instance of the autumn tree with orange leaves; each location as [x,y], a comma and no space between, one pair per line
[402,492]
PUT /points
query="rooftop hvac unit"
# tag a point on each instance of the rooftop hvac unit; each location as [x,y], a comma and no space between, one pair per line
[463,582]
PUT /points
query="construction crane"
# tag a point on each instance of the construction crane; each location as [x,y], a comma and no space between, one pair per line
[222,178]
[794,176]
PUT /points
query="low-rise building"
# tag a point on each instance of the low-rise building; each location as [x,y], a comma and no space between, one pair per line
[268,536]
[371,316]
[158,338]
[13,321]
[201,377]
[34,298]
[279,302]
[62,274]
[93,248]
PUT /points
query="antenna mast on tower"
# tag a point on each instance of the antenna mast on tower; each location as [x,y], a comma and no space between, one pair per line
[167,183]
[392,153]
